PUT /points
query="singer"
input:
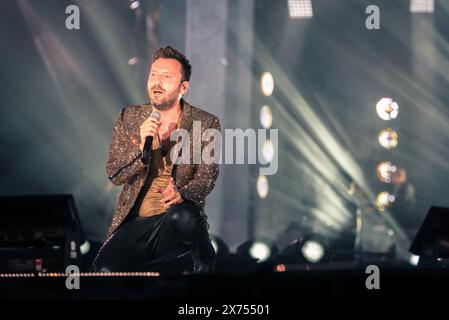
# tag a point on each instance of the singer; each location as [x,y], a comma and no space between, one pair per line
[159,224]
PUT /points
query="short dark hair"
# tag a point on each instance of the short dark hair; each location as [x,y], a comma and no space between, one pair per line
[171,53]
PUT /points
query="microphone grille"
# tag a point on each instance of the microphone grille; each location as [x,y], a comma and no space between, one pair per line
[155,115]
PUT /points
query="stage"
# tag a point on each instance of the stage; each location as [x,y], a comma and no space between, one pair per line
[344,281]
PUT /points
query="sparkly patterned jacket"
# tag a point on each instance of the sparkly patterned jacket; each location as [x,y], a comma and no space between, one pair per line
[124,166]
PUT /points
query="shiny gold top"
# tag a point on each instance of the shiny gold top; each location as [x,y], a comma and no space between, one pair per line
[160,173]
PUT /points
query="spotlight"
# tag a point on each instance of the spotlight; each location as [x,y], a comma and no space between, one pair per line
[268,150]
[266,117]
[312,248]
[261,249]
[388,138]
[220,247]
[134,5]
[300,9]
[262,186]
[385,171]
[413,260]
[422,6]
[85,247]
[384,200]
[387,109]
[133,61]
[267,84]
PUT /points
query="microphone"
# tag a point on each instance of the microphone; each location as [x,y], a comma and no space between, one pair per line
[149,140]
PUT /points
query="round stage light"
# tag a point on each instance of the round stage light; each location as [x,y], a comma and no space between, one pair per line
[85,247]
[384,200]
[260,248]
[262,186]
[388,138]
[134,5]
[266,117]
[387,109]
[313,248]
[413,260]
[133,61]
[268,150]
[260,251]
[312,251]
[385,171]
[267,84]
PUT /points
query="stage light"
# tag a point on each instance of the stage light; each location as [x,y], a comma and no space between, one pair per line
[133,61]
[312,248]
[266,117]
[16,275]
[313,251]
[300,9]
[267,84]
[268,150]
[414,260]
[385,171]
[384,200]
[85,247]
[422,6]
[388,138]
[387,109]
[262,186]
[134,5]
[260,249]
[220,247]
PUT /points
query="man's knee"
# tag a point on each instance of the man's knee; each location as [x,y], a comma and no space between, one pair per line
[186,220]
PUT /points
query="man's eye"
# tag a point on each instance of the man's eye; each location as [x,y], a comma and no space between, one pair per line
[167,76]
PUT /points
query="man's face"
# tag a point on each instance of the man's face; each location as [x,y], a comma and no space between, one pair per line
[164,85]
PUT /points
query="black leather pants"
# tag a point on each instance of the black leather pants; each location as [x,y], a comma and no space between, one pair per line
[189,223]
[165,243]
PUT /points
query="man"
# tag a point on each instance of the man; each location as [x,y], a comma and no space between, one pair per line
[159,219]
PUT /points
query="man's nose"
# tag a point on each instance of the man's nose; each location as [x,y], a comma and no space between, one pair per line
[157,81]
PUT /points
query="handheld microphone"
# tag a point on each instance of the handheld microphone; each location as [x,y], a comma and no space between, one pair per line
[149,140]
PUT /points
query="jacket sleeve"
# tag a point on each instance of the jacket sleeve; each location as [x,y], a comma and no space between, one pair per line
[124,160]
[205,176]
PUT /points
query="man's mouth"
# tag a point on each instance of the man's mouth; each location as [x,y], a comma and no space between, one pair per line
[157,91]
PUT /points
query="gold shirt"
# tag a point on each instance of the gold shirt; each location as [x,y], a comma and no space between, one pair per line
[159,175]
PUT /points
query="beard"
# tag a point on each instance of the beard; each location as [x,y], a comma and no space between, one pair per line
[164,101]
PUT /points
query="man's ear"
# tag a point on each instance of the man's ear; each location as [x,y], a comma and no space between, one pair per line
[185,87]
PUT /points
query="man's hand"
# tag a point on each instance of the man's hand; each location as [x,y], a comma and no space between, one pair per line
[149,127]
[172,195]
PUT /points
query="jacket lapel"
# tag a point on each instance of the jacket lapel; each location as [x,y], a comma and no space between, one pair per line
[184,123]
[147,109]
